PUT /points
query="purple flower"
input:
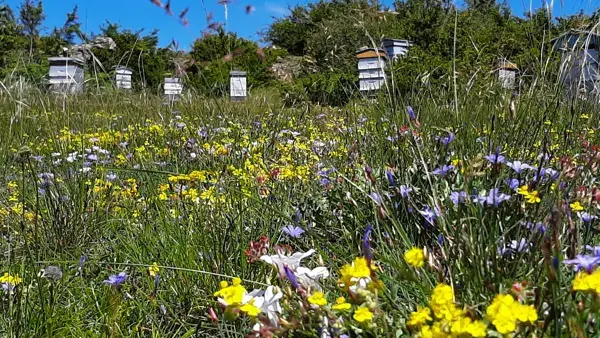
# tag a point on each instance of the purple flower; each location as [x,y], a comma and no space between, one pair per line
[446,140]
[293,231]
[586,218]
[390,176]
[92,157]
[290,275]
[430,215]
[405,190]
[443,171]
[585,262]
[513,247]
[494,197]
[539,226]
[440,239]
[111,176]
[513,183]
[366,245]
[594,249]
[375,196]
[519,166]
[81,261]
[411,113]
[116,280]
[495,158]
[553,174]
[458,197]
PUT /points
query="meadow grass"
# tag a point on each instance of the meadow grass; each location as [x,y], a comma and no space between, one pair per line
[104,183]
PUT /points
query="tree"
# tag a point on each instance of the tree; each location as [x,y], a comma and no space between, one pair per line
[31,16]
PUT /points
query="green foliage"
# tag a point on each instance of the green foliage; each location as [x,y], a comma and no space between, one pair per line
[215,55]
[137,51]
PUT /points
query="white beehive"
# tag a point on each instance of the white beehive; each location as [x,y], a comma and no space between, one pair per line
[580,62]
[237,86]
[172,88]
[396,48]
[371,68]
[123,77]
[66,75]
[507,74]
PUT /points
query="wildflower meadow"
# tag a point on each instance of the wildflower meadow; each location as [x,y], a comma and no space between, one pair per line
[123,216]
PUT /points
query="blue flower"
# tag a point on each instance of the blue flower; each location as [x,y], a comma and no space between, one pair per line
[586,218]
[513,183]
[376,198]
[430,215]
[513,247]
[405,190]
[446,140]
[585,262]
[443,171]
[594,249]
[293,231]
[458,197]
[495,158]
[390,176]
[290,275]
[519,166]
[494,198]
[368,252]
[116,280]
[411,113]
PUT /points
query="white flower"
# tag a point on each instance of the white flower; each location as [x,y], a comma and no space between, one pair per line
[267,301]
[280,260]
[310,278]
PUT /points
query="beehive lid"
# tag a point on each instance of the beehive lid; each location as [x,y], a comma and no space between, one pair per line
[237,73]
[507,65]
[396,42]
[366,52]
[123,70]
[65,60]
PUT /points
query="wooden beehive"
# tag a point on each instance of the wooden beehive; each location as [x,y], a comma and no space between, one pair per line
[172,88]
[371,68]
[237,86]
[66,75]
[123,77]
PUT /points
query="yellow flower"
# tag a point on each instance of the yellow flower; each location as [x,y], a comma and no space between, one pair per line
[420,317]
[587,282]
[341,304]
[358,270]
[533,197]
[153,270]
[442,303]
[318,298]
[415,257]
[523,190]
[477,329]
[363,314]
[12,280]
[525,313]
[505,313]
[250,309]
[576,206]
[231,294]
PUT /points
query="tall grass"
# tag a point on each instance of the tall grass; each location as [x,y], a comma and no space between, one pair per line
[122,225]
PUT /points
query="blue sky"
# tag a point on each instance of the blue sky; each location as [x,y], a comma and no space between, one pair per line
[138,14]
